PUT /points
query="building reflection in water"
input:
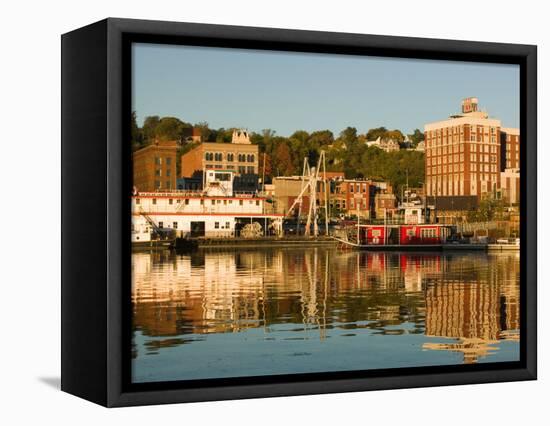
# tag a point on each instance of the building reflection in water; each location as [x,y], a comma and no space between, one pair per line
[470,300]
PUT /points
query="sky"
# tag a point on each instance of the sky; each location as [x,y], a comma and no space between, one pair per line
[286,91]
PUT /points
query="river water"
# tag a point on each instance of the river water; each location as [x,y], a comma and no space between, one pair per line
[254,312]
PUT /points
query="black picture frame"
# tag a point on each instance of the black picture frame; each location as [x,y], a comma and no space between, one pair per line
[96,184]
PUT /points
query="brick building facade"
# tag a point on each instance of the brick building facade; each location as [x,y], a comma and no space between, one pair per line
[154,167]
[239,156]
[509,142]
[464,154]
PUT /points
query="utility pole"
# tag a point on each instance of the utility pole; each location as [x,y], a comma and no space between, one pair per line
[263,176]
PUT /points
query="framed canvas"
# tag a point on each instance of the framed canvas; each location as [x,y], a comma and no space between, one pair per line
[255,212]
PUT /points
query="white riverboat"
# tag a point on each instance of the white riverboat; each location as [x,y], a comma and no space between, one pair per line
[214,212]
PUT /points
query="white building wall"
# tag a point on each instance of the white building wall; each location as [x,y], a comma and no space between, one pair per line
[199,205]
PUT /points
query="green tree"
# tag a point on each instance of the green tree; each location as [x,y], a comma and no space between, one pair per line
[375,133]
[321,138]
[416,137]
[170,129]
[396,135]
[149,128]
[135,132]
[205,130]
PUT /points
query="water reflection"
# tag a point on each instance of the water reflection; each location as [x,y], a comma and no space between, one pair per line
[206,314]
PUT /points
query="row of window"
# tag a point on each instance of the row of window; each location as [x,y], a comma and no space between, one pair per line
[216,225]
[456,139]
[218,156]
[357,187]
[460,168]
[158,172]
[158,161]
[241,169]
[444,160]
[459,177]
[353,205]
[167,185]
[460,148]
[460,130]
[214,201]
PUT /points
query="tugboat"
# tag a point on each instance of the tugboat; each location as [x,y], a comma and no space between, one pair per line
[150,235]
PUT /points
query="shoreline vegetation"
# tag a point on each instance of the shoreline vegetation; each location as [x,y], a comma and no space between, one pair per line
[283,156]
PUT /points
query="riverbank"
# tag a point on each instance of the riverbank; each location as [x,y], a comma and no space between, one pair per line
[303,241]
[256,242]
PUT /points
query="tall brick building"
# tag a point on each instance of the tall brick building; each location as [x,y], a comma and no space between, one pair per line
[464,154]
[509,142]
[155,166]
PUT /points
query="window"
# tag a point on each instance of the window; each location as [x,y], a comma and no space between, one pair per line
[187,201]
[161,225]
[230,157]
[170,201]
[138,200]
[257,202]
[250,170]
[158,161]
[175,225]
[217,225]
[240,202]
[158,172]
[428,233]
[168,184]
[218,156]
[168,161]
[213,202]
[168,172]
[226,225]
[154,201]
[157,184]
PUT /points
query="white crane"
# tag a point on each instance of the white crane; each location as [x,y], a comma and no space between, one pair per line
[312,184]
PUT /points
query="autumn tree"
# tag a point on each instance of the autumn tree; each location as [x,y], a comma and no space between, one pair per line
[282,159]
